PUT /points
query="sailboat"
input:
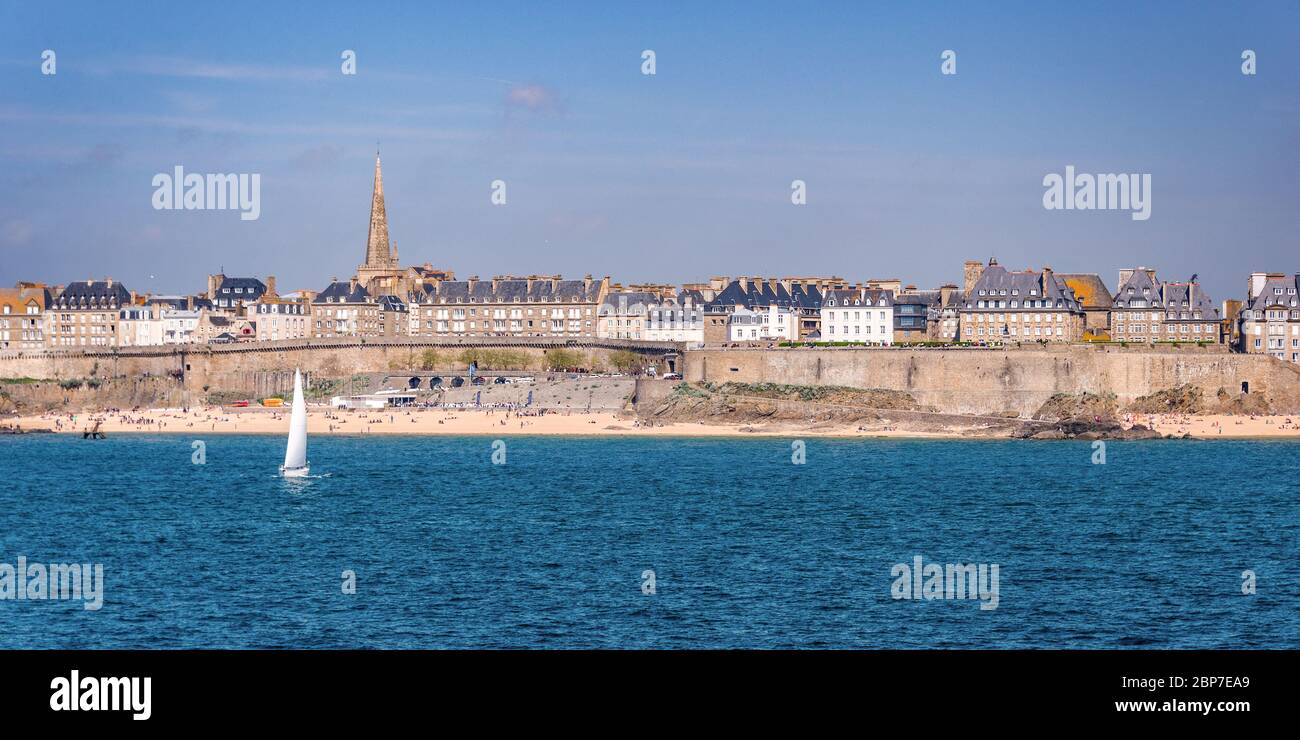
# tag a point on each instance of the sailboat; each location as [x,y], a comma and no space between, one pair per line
[295,453]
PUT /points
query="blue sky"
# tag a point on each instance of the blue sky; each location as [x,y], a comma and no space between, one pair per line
[671,178]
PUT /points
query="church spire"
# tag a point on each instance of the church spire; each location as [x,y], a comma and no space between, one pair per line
[378,251]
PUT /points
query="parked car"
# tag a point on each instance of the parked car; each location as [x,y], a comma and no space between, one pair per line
[672,376]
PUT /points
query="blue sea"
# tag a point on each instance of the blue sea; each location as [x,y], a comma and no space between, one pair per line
[747,549]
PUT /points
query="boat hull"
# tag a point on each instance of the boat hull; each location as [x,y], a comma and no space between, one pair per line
[294,472]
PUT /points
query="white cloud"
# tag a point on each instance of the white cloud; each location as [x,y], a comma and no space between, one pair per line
[535,98]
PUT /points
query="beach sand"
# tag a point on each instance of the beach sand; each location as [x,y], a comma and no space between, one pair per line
[1221,426]
[325,421]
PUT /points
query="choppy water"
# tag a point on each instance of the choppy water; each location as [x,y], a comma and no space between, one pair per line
[748,549]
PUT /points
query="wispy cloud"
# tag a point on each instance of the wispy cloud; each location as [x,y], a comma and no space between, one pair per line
[188,102]
[533,98]
[194,68]
[240,126]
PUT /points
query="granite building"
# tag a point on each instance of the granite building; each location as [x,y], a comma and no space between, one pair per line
[1270,318]
[1002,306]
[1148,310]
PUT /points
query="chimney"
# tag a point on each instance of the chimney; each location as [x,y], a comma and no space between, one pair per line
[1256,284]
[214,282]
[189,303]
[270,286]
[974,269]
[110,283]
[1124,275]
[946,294]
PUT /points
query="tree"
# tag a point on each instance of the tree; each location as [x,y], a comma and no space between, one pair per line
[429,359]
[625,361]
[563,359]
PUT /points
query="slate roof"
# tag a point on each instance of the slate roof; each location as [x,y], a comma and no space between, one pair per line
[249,285]
[927,298]
[1189,297]
[179,303]
[86,294]
[1290,287]
[762,293]
[998,283]
[391,303]
[856,297]
[694,295]
[1139,286]
[341,292]
[509,290]
[1171,297]
[628,299]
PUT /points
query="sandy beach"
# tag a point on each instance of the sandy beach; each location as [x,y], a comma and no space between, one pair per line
[326,421]
[1220,426]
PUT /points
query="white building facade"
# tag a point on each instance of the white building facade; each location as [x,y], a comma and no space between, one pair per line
[179,325]
[140,326]
[858,315]
[772,323]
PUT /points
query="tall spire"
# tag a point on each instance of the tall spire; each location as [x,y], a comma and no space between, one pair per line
[378,252]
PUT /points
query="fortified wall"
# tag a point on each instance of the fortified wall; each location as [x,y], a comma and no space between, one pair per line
[996,381]
[267,367]
[966,381]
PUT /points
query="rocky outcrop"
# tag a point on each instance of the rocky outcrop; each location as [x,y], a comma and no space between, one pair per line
[1083,429]
[1065,406]
[1189,399]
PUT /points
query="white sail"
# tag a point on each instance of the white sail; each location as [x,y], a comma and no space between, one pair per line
[295,454]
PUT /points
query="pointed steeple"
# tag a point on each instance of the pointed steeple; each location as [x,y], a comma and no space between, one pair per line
[378,251]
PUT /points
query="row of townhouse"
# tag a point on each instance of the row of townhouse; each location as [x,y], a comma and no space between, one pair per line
[993,306]
[507,306]
[996,306]
[1270,316]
